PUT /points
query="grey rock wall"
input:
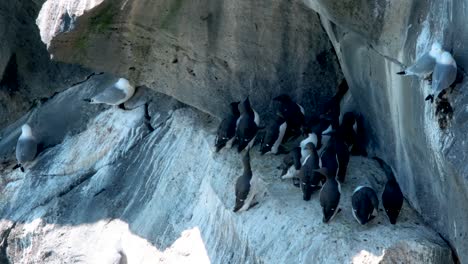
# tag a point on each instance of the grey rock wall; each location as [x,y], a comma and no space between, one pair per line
[26,71]
[428,150]
[206,53]
[373,40]
[150,190]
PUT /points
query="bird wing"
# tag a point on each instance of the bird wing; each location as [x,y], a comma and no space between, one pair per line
[111,95]
[392,197]
[247,128]
[227,128]
[242,188]
[307,170]
[329,195]
[272,133]
[26,150]
[444,75]
[374,200]
[423,66]
[370,193]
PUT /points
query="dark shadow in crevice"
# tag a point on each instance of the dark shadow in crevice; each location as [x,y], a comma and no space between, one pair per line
[11,79]
[444,113]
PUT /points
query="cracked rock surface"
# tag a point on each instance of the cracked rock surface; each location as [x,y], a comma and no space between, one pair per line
[124,189]
[210,53]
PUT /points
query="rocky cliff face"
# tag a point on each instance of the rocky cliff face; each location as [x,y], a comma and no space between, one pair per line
[261,49]
[136,188]
[426,147]
[27,74]
[107,184]
[205,53]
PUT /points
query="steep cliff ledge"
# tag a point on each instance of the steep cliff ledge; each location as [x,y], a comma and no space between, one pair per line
[119,190]
[209,53]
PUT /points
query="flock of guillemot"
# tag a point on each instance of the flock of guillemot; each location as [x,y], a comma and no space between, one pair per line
[320,158]
[316,161]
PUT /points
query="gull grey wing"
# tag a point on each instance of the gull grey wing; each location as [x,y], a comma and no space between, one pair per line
[110,95]
[26,150]
[423,66]
[444,75]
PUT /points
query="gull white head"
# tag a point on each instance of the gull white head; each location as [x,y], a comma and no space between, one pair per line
[436,50]
[446,59]
[123,84]
[26,131]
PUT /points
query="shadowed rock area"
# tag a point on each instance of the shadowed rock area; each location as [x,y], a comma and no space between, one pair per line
[117,189]
[26,73]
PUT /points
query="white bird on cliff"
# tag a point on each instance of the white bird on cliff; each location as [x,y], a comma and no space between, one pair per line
[425,64]
[26,147]
[117,94]
[445,73]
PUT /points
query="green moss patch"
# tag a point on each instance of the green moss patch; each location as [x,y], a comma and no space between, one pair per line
[101,21]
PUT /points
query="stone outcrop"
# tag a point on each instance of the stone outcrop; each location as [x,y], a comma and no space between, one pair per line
[425,143]
[144,186]
[26,72]
[206,53]
[210,53]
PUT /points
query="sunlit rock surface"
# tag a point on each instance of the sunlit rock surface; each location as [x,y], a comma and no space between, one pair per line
[128,187]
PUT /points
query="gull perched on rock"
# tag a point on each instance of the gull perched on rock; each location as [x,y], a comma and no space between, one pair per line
[26,147]
[445,73]
[116,94]
[425,64]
